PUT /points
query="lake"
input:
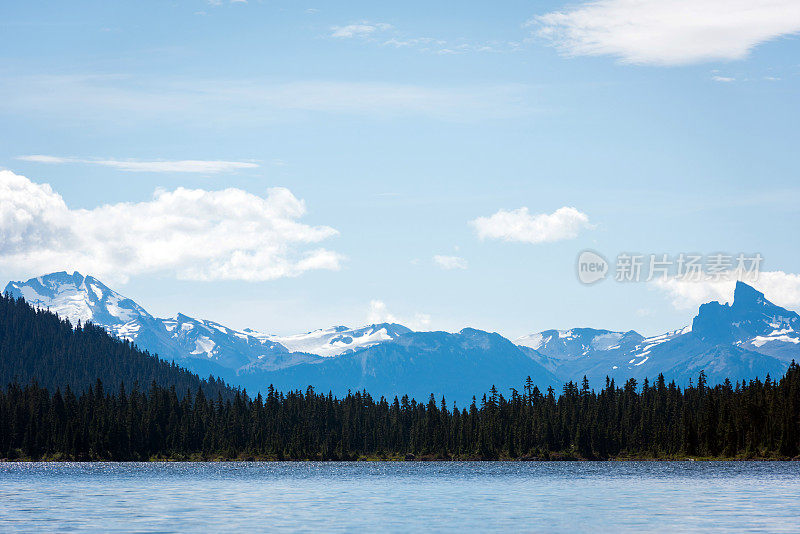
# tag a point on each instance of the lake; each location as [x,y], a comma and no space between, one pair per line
[400,496]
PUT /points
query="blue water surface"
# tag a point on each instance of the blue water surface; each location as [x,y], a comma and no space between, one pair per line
[400,496]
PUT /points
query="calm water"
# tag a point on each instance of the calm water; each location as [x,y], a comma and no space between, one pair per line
[243,497]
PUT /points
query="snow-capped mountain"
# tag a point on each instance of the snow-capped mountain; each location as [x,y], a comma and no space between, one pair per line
[750,338]
[83,299]
[78,298]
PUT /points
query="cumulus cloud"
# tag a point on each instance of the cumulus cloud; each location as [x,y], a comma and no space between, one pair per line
[379,313]
[779,287]
[668,32]
[188,233]
[448,263]
[361,29]
[520,225]
[186,165]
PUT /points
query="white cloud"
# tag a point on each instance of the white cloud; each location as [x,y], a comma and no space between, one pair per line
[723,79]
[520,225]
[414,42]
[387,35]
[378,313]
[124,99]
[362,29]
[188,165]
[188,233]
[449,263]
[779,287]
[669,32]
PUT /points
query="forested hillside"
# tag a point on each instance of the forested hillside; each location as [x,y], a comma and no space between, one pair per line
[749,420]
[35,345]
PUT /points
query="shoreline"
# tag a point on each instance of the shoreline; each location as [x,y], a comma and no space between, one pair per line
[251,460]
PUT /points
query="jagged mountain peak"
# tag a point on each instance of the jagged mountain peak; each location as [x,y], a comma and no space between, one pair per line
[750,316]
[747,299]
[746,295]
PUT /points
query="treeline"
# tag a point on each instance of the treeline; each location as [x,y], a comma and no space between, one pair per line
[744,420]
[35,345]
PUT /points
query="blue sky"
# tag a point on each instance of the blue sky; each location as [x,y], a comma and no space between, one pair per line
[383,132]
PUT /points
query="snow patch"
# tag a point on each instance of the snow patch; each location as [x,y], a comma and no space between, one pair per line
[97,291]
[533,341]
[607,341]
[204,345]
[333,341]
[760,341]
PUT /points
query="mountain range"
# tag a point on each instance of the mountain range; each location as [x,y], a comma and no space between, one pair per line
[747,339]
